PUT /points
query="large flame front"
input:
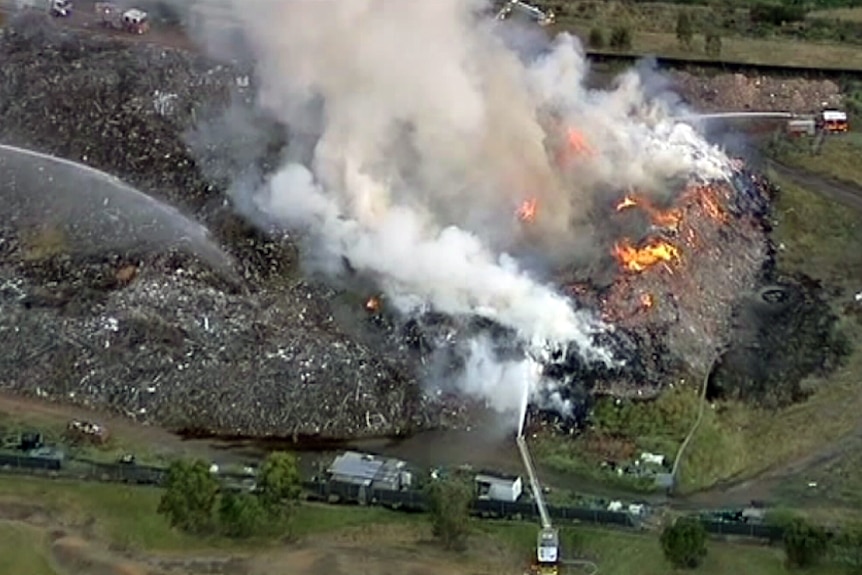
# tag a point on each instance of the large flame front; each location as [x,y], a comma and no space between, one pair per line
[656,251]
[636,259]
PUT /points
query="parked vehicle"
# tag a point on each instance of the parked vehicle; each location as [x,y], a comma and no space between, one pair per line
[133,20]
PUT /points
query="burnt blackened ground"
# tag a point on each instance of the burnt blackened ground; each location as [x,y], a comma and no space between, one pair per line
[785,333]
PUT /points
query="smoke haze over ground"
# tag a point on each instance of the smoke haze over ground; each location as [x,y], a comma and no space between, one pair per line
[414,135]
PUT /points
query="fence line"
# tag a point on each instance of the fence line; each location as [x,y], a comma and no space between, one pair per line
[345,493]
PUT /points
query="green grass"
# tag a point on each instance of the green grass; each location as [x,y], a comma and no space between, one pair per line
[53,429]
[657,427]
[23,551]
[126,515]
[845,14]
[839,157]
[741,50]
[831,492]
[624,553]
[653,26]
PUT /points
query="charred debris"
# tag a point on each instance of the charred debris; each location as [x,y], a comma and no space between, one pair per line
[699,291]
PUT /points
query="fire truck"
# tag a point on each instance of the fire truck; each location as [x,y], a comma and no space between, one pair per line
[547,559]
[833,121]
[58,8]
[132,20]
[512,7]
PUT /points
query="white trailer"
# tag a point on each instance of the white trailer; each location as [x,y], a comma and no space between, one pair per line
[132,20]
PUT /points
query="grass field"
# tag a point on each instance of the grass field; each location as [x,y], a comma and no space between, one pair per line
[126,515]
[839,157]
[846,14]
[653,27]
[625,553]
[777,52]
[23,550]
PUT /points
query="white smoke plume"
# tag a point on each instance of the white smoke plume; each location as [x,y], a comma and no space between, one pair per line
[433,132]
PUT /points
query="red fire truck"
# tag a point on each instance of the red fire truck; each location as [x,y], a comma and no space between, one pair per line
[833,121]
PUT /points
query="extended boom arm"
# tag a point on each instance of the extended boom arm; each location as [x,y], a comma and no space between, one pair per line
[534,482]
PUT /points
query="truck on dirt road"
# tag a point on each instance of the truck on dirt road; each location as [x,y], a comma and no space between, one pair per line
[59,8]
[132,20]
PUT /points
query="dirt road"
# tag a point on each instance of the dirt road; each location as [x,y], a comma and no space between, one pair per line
[846,193]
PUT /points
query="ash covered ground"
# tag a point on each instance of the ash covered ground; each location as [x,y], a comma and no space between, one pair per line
[229,335]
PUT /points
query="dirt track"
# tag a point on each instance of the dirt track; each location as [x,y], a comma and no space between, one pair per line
[846,193]
[375,550]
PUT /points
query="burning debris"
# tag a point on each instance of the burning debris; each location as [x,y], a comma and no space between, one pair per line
[672,300]
[410,190]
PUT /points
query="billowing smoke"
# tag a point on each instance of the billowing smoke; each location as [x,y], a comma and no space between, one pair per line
[415,135]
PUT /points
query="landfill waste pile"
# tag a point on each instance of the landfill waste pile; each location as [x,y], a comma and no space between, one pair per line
[138,287]
[234,343]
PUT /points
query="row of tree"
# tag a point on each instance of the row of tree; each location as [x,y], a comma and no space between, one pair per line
[195,501]
[685,35]
[805,544]
[620,37]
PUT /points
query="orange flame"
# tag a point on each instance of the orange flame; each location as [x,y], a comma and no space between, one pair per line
[705,197]
[647,300]
[372,305]
[664,218]
[711,206]
[626,202]
[527,210]
[638,259]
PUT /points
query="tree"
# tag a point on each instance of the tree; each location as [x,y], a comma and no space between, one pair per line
[241,514]
[596,38]
[449,506]
[713,45]
[848,547]
[684,543]
[804,544]
[684,29]
[621,38]
[190,496]
[279,484]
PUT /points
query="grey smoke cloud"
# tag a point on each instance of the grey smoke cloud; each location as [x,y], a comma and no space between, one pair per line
[431,133]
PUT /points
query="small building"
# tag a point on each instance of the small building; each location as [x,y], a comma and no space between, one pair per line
[370,472]
[498,487]
[802,127]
